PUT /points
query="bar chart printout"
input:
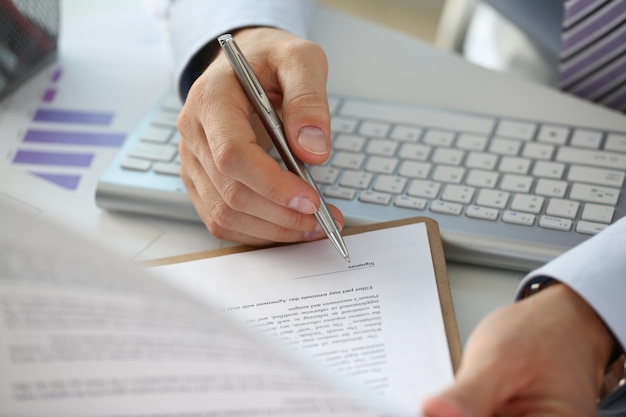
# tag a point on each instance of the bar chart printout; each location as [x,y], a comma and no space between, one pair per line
[60,144]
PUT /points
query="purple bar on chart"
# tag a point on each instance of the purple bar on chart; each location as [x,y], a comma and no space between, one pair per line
[49,95]
[53,158]
[56,75]
[73,116]
[74,138]
[67,181]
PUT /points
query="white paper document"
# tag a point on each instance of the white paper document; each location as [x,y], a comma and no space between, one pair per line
[85,333]
[376,319]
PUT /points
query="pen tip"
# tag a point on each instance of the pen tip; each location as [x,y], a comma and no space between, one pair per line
[348,258]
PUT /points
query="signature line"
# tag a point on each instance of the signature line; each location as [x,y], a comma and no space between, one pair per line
[335,272]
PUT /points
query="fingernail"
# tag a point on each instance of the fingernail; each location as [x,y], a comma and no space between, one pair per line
[302,205]
[313,140]
[317,233]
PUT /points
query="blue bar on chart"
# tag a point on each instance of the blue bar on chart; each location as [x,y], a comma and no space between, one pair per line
[68,159]
[67,181]
[56,75]
[73,116]
[49,95]
[74,138]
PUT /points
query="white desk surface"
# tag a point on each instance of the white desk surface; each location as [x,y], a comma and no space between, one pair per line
[361,55]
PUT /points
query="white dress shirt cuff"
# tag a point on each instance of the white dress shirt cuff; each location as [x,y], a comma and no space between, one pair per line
[596,270]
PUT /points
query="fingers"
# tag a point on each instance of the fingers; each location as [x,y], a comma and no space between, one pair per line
[238,189]
[235,212]
[298,73]
[305,106]
[544,355]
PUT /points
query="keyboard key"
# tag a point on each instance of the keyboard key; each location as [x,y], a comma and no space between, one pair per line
[415,151]
[390,184]
[356,179]
[414,203]
[167,168]
[323,174]
[471,142]
[515,217]
[598,213]
[438,138]
[536,150]
[447,156]
[549,169]
[375,197]
[516,130]
[492,198]
[481,160]
[514,165]
[381,147]
[562,208]
[166,118]
[590,228]
[595,158]
[551,188]
[458,193]
[553,134]
[339,192]
[516,183]
[375,129]
[136,164]
[443,207]
[414,169]
[585,138]
[381,165]
[343,124]
[503,146]
[616,142]
[451,174]
[594,194]
[425,189]
[484,213]
[556,223]
[406,133]
[527,203]
[482,179]
[612,178]
[157,134]
[154,152]
[351,143]
[348,160]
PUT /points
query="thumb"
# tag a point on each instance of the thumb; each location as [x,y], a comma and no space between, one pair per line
[475,393]
[305,105]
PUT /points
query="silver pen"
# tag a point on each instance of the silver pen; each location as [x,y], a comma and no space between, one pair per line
[274,127]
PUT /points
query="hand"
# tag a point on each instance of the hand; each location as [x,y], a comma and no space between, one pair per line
[240,192]
[543,356]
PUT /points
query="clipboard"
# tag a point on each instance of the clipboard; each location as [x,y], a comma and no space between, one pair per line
[438,261]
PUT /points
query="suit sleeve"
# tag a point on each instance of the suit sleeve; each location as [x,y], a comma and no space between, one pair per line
[596,270]
[194,25]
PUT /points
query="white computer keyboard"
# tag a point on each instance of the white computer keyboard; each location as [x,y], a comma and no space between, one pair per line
[506,192]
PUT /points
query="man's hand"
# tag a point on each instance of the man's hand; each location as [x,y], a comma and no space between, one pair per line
[240,192]
[543,356]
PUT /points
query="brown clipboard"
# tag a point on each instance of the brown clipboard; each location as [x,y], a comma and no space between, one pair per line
[439,266]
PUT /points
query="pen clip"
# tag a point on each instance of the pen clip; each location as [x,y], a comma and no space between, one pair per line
[254,83]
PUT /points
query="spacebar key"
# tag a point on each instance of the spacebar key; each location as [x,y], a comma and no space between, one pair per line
[416,116]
